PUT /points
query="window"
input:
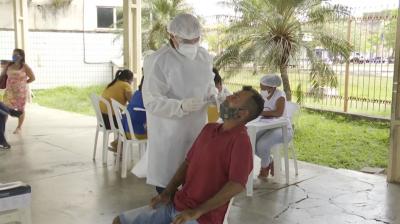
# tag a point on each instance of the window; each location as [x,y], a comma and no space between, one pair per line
[109,17]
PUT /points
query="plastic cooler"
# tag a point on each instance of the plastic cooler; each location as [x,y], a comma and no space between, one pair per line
[15,203]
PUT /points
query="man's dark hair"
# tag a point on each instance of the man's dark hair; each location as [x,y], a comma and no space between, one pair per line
[255,104]
[217,77]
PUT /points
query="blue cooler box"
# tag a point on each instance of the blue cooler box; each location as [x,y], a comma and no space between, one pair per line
[15,203]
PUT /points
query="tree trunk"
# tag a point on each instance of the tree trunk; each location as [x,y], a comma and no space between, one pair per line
[285,79]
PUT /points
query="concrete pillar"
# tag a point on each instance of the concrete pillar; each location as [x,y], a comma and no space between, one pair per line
[133,37]
[21,23]
[393,174]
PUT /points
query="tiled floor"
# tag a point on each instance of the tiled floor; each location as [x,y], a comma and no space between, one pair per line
[54,155]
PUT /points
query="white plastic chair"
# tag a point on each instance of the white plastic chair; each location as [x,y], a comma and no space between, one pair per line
[126,143]
[293,110]
[95,99]
[227,211]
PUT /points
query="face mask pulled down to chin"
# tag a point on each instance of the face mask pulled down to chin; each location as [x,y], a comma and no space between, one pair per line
[188,50]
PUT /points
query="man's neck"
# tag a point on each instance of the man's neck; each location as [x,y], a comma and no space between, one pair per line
[230,124]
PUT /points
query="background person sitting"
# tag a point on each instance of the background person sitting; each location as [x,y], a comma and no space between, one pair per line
[209,177]
[137,113]
[274,107]
[120,89]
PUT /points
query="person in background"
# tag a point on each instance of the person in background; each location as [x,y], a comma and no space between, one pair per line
[223,92]
[19,76]
[274,107]
[215,169]
[137,113]
[120,89]
[4,112]
[177,87]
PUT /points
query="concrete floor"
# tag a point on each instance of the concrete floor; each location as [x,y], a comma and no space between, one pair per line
[53,155]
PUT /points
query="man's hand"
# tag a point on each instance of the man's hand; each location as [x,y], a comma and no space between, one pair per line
[187,215]
[164,198]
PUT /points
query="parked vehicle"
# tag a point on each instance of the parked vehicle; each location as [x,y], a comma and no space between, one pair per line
[379,59]
[356,57]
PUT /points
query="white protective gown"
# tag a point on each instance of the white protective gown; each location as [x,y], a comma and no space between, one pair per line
[169,78]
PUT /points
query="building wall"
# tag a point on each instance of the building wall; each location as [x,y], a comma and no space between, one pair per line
[61,58]
[65,48]
[79,15]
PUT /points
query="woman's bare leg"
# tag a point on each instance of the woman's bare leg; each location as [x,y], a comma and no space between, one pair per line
[20,122]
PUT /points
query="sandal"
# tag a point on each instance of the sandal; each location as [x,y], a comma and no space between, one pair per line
[265,171]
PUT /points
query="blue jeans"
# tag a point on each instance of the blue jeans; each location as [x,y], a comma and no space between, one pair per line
[163,214]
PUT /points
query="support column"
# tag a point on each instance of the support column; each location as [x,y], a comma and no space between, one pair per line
[21,23]
[393,174]
[133,37]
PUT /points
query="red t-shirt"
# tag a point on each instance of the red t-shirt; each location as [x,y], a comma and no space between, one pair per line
[215,158]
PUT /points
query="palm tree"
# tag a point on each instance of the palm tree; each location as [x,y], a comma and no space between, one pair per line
[156,16]
[271,33]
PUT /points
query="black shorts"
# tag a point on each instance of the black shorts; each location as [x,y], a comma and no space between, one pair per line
[107,121]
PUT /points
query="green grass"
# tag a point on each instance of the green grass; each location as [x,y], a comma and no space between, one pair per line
[321,138]
[336,141]
[72,99]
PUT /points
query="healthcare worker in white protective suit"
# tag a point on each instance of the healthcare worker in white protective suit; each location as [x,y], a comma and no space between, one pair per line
[177,89]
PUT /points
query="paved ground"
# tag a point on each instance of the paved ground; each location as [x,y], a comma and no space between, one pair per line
[53,155]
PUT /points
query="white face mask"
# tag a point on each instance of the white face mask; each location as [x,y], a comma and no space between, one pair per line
[188,50]
[264,93]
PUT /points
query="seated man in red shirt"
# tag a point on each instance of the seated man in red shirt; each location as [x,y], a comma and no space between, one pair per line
[215,170]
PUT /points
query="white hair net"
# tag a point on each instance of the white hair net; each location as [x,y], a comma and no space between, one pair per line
[185,26]
[272,80]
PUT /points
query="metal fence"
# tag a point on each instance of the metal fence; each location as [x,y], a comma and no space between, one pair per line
[364,81]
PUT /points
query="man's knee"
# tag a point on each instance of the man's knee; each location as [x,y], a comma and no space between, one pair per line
[116,220]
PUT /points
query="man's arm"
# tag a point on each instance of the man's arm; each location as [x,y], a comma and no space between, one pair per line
[177,180]
[229,190]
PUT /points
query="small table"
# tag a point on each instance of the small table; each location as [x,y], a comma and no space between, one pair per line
[257,125]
